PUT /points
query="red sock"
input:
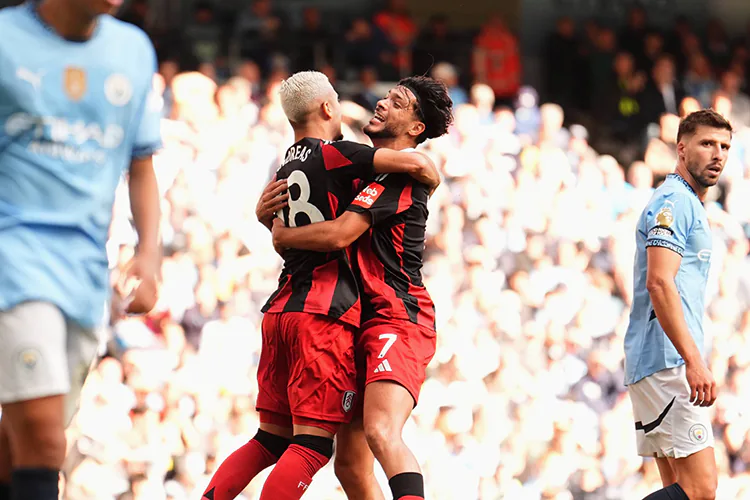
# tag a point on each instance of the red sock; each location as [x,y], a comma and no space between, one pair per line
[236,472]
[293,473]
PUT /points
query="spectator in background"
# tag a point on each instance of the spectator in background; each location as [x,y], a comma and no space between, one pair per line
[250,72]
[446,73]
[528,115]
[676,37]
[734,168]
[718,49]
[590,37]
[202,37]
[689,105]
[209,70]
[661,154]
[367,97]
[400,30]
[740,64]
[259,33]
[434,45]
[632,36]
[601,62]
[168,69]
[551,131]
[663,93]
[496,59]
[332,75]
[562,64]
[483,100]
[730,86]
[314,43]
[620,108]
[653,50]
[366,46]
[204,311]
[699,81]
[641,178]
[247,109]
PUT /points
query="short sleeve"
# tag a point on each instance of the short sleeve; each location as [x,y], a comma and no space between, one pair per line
[388,195]
[668,223]
[148,135]
[349,160]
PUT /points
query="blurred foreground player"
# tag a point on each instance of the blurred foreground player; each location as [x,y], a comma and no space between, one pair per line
[306,374]
[669,383]
[397,338]
[76,112]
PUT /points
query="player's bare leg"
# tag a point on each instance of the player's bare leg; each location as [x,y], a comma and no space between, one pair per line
[697,478]
[239,468]
[387,407]
[354,463]
[310,451]
[666,472]
[697,474]
[6,462]
[37,443]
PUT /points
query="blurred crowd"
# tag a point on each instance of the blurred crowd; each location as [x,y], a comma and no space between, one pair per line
[528,259]
[624,80]
[385,42]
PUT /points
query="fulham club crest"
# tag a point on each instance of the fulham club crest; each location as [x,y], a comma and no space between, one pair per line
[347,402]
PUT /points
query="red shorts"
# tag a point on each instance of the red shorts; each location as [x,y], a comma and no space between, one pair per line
[394,350]
[306,369]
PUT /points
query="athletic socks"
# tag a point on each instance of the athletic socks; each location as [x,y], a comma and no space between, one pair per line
[671,492]
[4,491]
[294,472]
[407,486]
[35,484]
[236,472]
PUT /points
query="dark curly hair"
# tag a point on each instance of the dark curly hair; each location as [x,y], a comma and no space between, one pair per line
[434,106]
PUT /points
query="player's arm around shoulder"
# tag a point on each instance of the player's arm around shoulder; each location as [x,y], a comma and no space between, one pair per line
[416,164]
[328,236]
[386,195]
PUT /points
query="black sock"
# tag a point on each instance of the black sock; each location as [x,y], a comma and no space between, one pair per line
[4,491]
[277,445]
[407,484]
[318,444]
[671,492]
[35,484]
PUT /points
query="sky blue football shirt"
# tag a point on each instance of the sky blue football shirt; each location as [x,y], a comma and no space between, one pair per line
[674,219]
[72,116]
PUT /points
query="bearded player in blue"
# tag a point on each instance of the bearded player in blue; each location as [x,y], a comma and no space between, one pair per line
[669,383]
[76,113]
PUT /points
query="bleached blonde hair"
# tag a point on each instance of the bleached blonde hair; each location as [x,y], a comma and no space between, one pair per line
[302,92]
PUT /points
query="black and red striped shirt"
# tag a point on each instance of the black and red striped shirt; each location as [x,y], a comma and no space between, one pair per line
[320,176]
[389,255]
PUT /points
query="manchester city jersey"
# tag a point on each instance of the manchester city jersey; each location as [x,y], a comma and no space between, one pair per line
[674,219]
[72,116]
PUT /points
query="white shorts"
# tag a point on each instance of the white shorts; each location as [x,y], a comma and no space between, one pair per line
[667,424]
[43,354]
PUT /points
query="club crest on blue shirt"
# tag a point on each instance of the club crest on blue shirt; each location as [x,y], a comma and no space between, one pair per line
[74,82]
[118,90]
